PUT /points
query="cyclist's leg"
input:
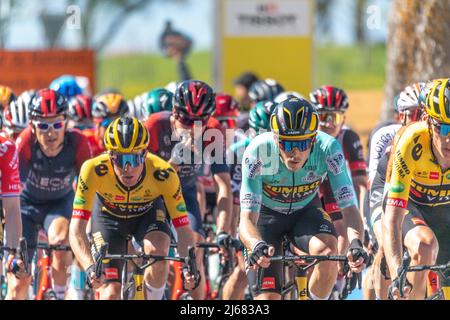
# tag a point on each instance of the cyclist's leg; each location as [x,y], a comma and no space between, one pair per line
[106,228]
[234,288]
[272,227]
[195,219]
[314,233]
[32,217]
[422,246]
[379,270]
[154,230]
[56,224]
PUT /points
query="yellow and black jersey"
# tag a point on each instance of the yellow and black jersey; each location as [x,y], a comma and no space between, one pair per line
[100,189]
[416,175]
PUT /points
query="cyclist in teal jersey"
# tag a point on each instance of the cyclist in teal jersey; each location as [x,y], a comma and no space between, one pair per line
[281,174]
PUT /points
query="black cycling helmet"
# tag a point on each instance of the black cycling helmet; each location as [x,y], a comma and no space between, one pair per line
[294,119]
[194,99]
[266,89]
[47,103]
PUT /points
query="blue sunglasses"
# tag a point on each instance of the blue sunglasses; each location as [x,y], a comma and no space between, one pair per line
[444,129]
[301,145]
[122,159]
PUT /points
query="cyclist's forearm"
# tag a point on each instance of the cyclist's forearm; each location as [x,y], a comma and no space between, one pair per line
[185,239]
[224,217]
[392,238]
[353,221]
[360,186]
[80,243]
[248,233]
[13,221]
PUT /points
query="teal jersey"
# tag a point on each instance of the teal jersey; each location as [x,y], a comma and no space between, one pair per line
[267,181]
[236,152]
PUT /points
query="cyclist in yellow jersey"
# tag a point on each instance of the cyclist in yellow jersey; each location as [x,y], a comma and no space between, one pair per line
[123,192]
[418,199]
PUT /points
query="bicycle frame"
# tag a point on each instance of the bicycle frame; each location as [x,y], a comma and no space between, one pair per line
[44,288]
[301,265]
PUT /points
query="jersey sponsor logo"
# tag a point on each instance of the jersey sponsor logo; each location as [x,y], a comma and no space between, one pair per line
[82,186]
[268,283]
[254,167]
[81,214]
[335,163]
[180,221]
[447,176]
[288,194]
[310,168]
[162,174]
[166,140]
[396,202]
[177,194]
[380,147]
[101,169]
[434,175]
[344,193]
[397,187]
[357,144]
[111,273]
[181,207]
[119,198]
[79,201]
[49,184]
[400,165]
[422,174]
[250,200]
[325,228]
[424,194]
[311,176]
[331,207]
[136,199]
[417,150]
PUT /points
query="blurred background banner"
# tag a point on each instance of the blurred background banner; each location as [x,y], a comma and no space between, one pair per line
[271,38]
[22,70]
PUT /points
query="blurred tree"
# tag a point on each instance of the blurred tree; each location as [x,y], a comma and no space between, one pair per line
[323,12]
[360,25]
[418,46]
[6,7]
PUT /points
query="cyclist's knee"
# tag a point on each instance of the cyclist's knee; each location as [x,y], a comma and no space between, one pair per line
[422,245]
[323,244]
[58,232]
[157,243]
[18,288]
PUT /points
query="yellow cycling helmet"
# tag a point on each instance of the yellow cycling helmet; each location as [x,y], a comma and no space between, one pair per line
[6,96]
[126,135]
[109,105]
[437,104]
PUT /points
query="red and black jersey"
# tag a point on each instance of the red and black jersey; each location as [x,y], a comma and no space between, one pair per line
[50,178]
[353,153]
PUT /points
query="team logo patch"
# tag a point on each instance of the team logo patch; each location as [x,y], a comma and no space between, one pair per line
[335,163]
[344,193]
[397,187]
[111,273]
[181,207]
[160,215]
[268,283]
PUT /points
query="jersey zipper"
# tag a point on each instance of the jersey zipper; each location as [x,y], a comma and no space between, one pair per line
[292,193]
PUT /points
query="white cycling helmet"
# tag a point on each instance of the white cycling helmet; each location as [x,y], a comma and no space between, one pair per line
[410,97]
[287,94]
[135,107]
[172,86]
[15,115]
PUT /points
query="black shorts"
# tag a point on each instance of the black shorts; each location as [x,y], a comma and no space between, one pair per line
[298,227]
[116,232]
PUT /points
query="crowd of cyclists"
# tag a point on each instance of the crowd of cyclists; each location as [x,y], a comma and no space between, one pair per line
[267,168]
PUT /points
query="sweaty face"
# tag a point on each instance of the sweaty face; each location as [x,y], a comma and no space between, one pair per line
[50,133]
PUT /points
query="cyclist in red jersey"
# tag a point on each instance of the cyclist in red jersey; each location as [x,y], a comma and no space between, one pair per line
[9,194]
[50,157]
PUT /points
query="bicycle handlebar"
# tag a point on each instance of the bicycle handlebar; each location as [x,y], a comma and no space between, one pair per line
[53,247]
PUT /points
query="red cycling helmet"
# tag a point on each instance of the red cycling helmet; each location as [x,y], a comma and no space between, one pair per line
[227,110]
[47,103]
[80,108]
[193,100]
[328,98]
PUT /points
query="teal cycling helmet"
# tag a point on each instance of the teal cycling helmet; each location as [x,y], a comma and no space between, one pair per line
[259,116]
[157,100]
